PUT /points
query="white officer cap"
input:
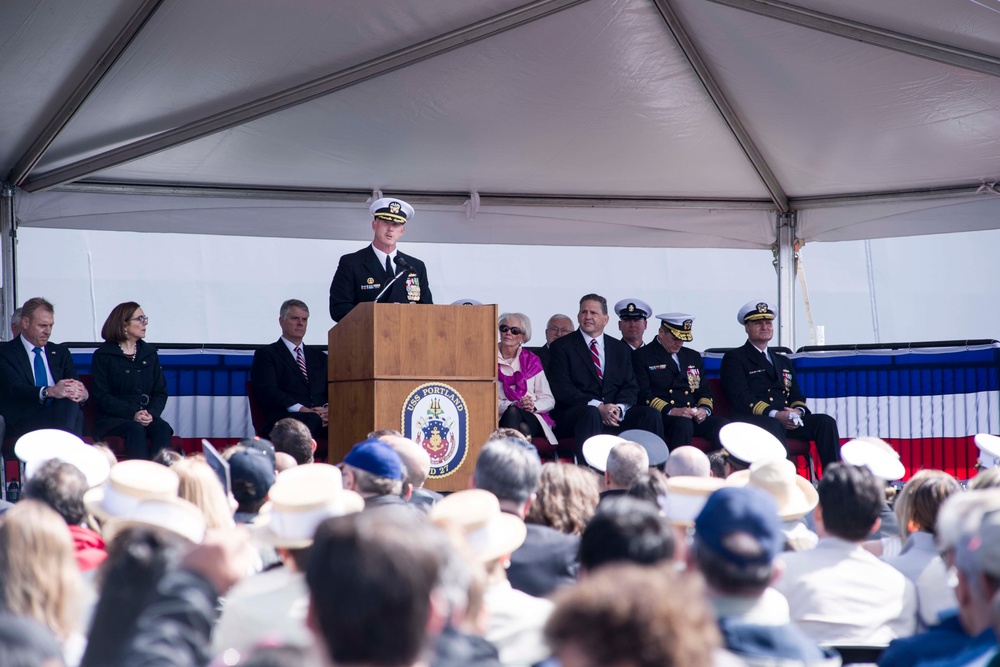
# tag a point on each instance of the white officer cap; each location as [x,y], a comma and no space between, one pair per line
[393,210]
[755,310]
[679,324]
[749,444]
[597,448]
[633,309]
[875,454]
[989,450]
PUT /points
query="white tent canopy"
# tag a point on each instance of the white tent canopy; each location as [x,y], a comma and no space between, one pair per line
[657,123]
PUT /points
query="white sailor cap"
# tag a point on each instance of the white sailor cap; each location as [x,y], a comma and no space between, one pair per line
[633,309]
[749,444]
[875,454]
[597,448]
[679,324]
[35,448]
[393,210]
[755,310]
[466,302]
[989,451]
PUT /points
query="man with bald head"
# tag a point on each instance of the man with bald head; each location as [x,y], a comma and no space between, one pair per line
[625,462]
[687,461]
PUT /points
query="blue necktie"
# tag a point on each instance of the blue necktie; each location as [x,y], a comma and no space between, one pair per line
[41,378]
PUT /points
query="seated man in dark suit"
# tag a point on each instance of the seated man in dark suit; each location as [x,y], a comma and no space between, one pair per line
[39,385]
[672,379]
[289,380]
[510,469]
[762,389]
[558,326]
[593,382]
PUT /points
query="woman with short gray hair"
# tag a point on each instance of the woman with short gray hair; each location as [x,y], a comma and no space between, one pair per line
[525,397]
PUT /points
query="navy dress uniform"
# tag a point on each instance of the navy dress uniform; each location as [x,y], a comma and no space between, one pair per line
[760,384]
[669,380]
[361,276]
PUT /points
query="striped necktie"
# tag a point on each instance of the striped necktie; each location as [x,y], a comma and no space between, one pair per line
[302,362]
[596,356]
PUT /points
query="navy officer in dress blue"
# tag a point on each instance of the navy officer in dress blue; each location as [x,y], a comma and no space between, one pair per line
[762,388]
[380,270]
[672,380]
[632,315]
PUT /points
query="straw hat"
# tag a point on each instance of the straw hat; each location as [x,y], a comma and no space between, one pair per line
[794,495]
[38,447]
[300,499]
[489,533]
[130,483]
[989,450]
[749,443]
[686,496]
[174,514]
[876,454]
[597,448]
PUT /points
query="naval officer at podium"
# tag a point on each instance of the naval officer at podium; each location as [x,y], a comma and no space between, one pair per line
[380,272]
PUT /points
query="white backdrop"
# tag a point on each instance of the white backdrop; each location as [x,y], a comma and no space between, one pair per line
[216,289]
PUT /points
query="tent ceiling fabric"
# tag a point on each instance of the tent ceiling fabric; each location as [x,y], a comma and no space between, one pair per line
[592,101]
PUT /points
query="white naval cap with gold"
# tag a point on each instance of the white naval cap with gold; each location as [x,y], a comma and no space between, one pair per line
[755,310]
[633,309]
[679,324]
[393,210]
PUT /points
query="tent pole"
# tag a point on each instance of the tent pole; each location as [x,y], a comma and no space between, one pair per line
[8,239]
[784,258]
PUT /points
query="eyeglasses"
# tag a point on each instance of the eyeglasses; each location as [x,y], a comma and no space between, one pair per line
[514,330]
[142,319]
[560,330]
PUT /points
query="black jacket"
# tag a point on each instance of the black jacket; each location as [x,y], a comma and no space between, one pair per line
[122,386]
[755,387]
[278,383]
[360,277]
[18,393]
[573,376]
[546,561]
[663,386]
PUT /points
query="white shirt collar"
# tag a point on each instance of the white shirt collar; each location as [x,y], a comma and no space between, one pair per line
[29,346]
[381,255]
[291,346]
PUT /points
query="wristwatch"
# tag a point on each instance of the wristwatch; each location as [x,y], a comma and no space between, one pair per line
[45,393]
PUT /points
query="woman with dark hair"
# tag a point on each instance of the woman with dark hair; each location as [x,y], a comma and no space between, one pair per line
[137,559]
[129,387]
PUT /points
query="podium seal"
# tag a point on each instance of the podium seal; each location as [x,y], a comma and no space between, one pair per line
[436,418]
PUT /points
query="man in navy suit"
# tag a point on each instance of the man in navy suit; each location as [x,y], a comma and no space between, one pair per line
[39,385]
[380,270]
[593,381]
[289,380]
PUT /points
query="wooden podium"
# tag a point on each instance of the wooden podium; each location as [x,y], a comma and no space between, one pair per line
[390,361]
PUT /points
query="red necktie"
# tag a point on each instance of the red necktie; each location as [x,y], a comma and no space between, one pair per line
[595,355]
[302,362]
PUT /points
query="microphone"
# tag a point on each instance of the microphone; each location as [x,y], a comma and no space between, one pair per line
[402,266]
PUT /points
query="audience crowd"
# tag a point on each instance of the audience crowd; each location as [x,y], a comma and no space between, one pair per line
[636,549]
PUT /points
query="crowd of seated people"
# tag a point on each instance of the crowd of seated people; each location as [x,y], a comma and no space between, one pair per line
[726,557]
[167,562]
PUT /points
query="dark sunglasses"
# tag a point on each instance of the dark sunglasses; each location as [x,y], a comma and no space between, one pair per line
[514,330]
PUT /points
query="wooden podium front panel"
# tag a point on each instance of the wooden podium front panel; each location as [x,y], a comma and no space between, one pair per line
[359,407]
[395,340]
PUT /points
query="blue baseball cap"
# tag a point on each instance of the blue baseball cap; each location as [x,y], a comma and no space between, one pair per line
[741,510]
[376,457]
